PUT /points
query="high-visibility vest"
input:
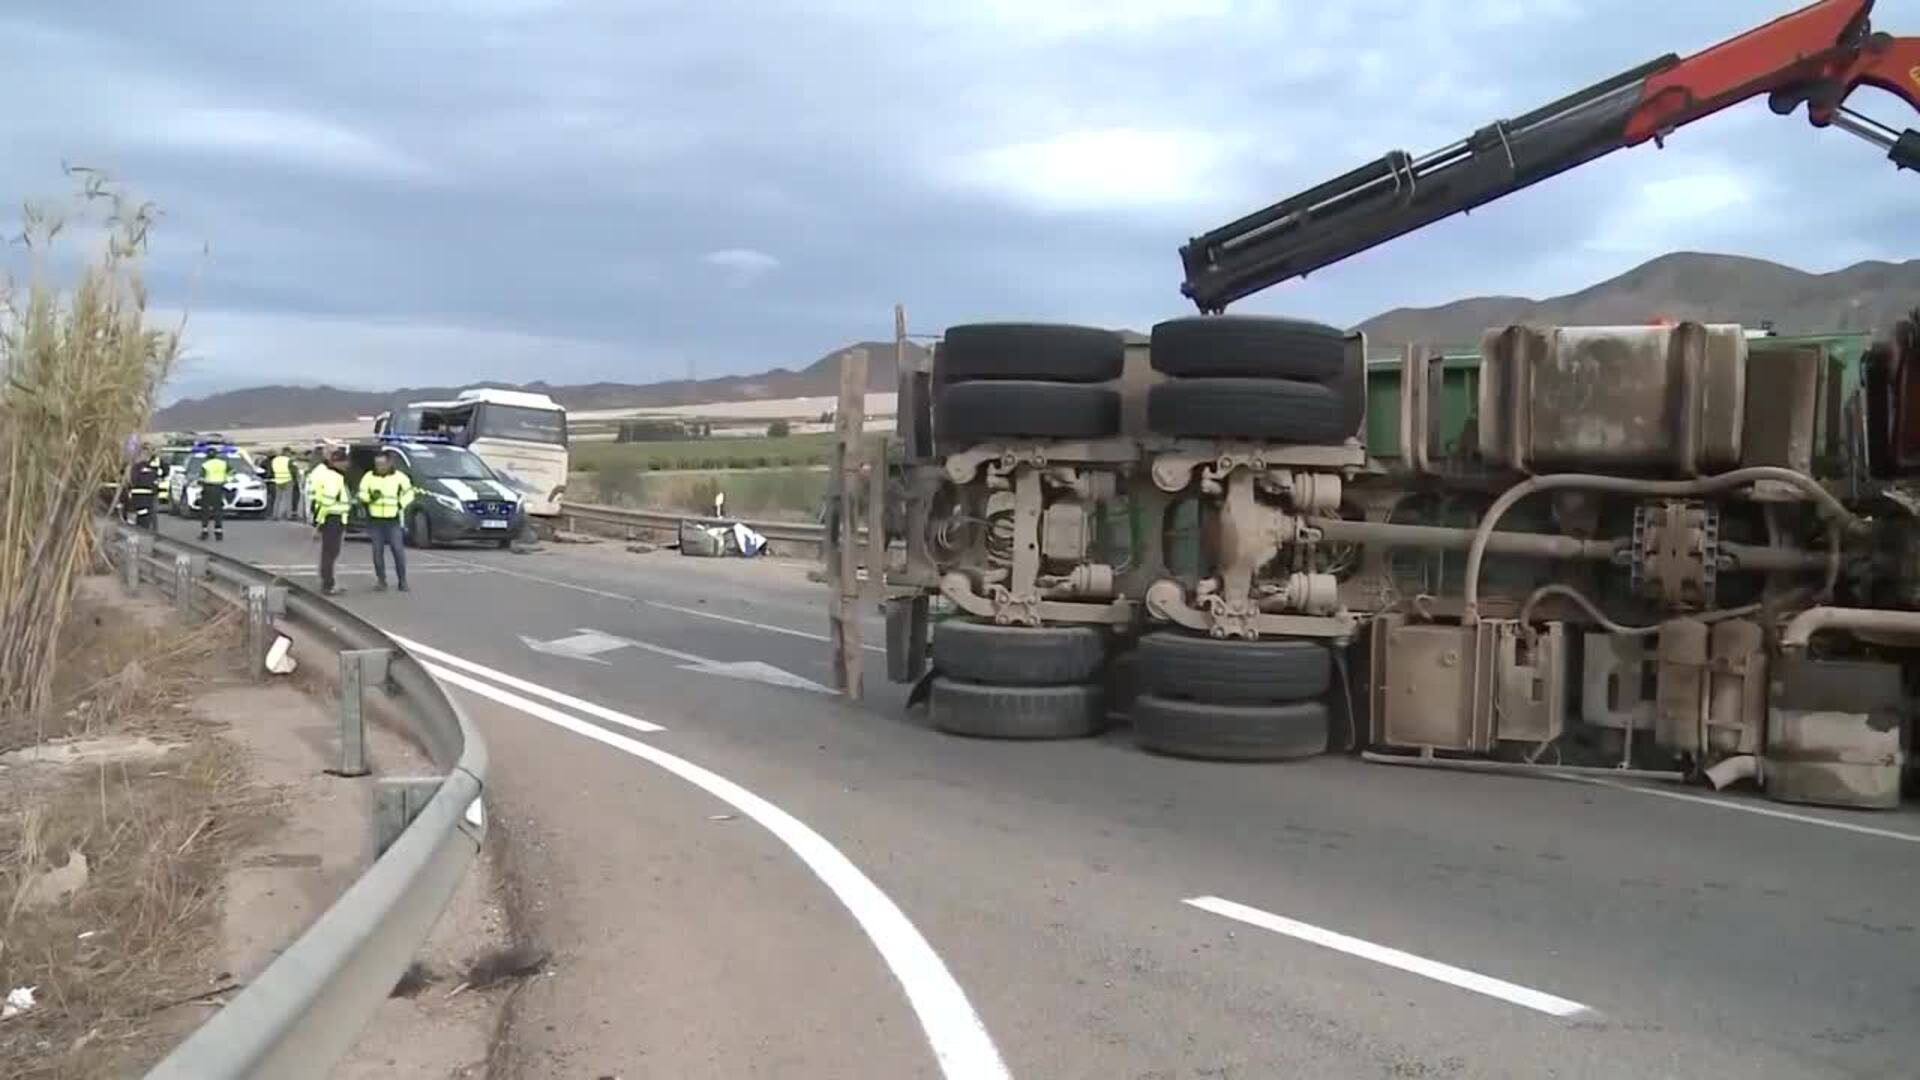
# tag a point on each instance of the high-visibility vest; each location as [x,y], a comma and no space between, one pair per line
[282,469]
[215,471]
[327,494]
[385,496]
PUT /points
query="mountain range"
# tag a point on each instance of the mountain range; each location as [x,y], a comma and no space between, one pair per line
[1868,296]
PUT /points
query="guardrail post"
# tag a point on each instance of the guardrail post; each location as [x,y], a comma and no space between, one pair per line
[358,667]
[183,584]
[259,625]
[131,567]
[397,800]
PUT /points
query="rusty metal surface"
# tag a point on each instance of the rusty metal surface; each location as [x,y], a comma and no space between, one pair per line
[1427,691]
[1785,389]
[1663,399]
[1834,733]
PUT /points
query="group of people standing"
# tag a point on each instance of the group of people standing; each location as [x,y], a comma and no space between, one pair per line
[328,502]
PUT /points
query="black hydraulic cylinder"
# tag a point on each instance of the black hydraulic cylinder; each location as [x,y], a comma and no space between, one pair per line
[1400,193]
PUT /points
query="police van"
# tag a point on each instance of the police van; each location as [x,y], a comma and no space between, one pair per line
[456,496]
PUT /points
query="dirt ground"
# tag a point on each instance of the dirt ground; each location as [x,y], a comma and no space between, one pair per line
[168,827]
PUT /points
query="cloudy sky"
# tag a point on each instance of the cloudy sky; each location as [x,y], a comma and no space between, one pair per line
[383,192]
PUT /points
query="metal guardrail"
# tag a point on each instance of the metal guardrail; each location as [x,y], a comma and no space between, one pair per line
[300,1016]
[793,532]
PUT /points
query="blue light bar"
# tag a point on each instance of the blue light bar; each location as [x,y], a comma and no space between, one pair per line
[405,438]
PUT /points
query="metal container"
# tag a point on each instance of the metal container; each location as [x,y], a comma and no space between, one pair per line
[1834,733]
[1643,400]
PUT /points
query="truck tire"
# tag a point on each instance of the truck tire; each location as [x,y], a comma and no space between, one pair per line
[1017,655]
[1213,732]
[1019,408]
[1249,346]
[1123,684]
[1176,665]
[1277,410]
[1016,712]
[1050,352]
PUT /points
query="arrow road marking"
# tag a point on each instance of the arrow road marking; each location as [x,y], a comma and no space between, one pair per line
[585,645]
[588,644]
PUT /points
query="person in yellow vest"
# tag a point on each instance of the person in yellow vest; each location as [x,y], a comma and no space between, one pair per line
[329,502]
[386,495]
[214,474]
[279,482]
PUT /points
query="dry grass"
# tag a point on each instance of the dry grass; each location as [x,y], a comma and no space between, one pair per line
[79,371]
[116,962]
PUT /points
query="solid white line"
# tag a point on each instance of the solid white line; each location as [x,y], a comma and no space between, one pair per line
[1381,954]
[756,625]
[555,696]
[959,1039]
[1725,803]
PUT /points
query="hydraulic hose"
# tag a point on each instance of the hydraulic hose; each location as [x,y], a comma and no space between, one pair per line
[1476,553]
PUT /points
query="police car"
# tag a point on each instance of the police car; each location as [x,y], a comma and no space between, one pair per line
[245,494]
[456,496]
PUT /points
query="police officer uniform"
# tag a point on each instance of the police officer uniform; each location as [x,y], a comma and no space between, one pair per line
[214,473]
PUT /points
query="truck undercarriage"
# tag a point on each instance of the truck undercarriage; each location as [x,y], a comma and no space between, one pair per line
[1687,549]
[1682,549]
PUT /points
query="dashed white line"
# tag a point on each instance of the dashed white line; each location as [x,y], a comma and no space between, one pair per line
[1394,958]
[810,636]
[958,1038]
[1725,803]
[610,715]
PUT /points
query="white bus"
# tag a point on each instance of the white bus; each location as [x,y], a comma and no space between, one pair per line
[521,436]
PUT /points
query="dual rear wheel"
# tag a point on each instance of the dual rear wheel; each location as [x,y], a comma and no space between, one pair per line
[1196,697]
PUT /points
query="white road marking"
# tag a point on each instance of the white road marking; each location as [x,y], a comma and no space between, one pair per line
[590,591]
[955,1032]
[1726,803]
[1405,961]
[610,715]
[587,644]
[542,579]
[789,631]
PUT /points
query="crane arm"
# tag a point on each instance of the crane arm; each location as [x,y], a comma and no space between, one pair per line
[1816,57]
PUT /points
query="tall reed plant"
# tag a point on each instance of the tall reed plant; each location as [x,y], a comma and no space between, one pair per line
[80,368]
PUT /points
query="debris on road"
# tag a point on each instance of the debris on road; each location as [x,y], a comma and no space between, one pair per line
[19,1000]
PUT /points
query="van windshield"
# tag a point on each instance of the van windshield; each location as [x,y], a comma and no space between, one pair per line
[447,463]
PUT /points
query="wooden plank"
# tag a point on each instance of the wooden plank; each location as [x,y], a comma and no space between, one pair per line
[876,553]
[843,549]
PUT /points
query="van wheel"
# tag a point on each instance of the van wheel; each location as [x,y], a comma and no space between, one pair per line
[419,530]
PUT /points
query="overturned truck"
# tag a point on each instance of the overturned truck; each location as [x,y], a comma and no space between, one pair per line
[1684,549]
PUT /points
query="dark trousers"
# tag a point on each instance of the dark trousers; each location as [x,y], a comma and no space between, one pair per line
[331,531]
[388,534]
[213,508]
[273,498]
[143,515]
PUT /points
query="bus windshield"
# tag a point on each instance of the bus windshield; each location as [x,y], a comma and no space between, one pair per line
[447,463]
[520,422]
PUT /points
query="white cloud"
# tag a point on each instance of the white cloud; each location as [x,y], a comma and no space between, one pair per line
[1103,169]
[1704,210]
[1079,18]
[741,265]
[282,135]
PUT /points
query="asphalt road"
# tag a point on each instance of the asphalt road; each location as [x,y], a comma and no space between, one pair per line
[1081,909]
